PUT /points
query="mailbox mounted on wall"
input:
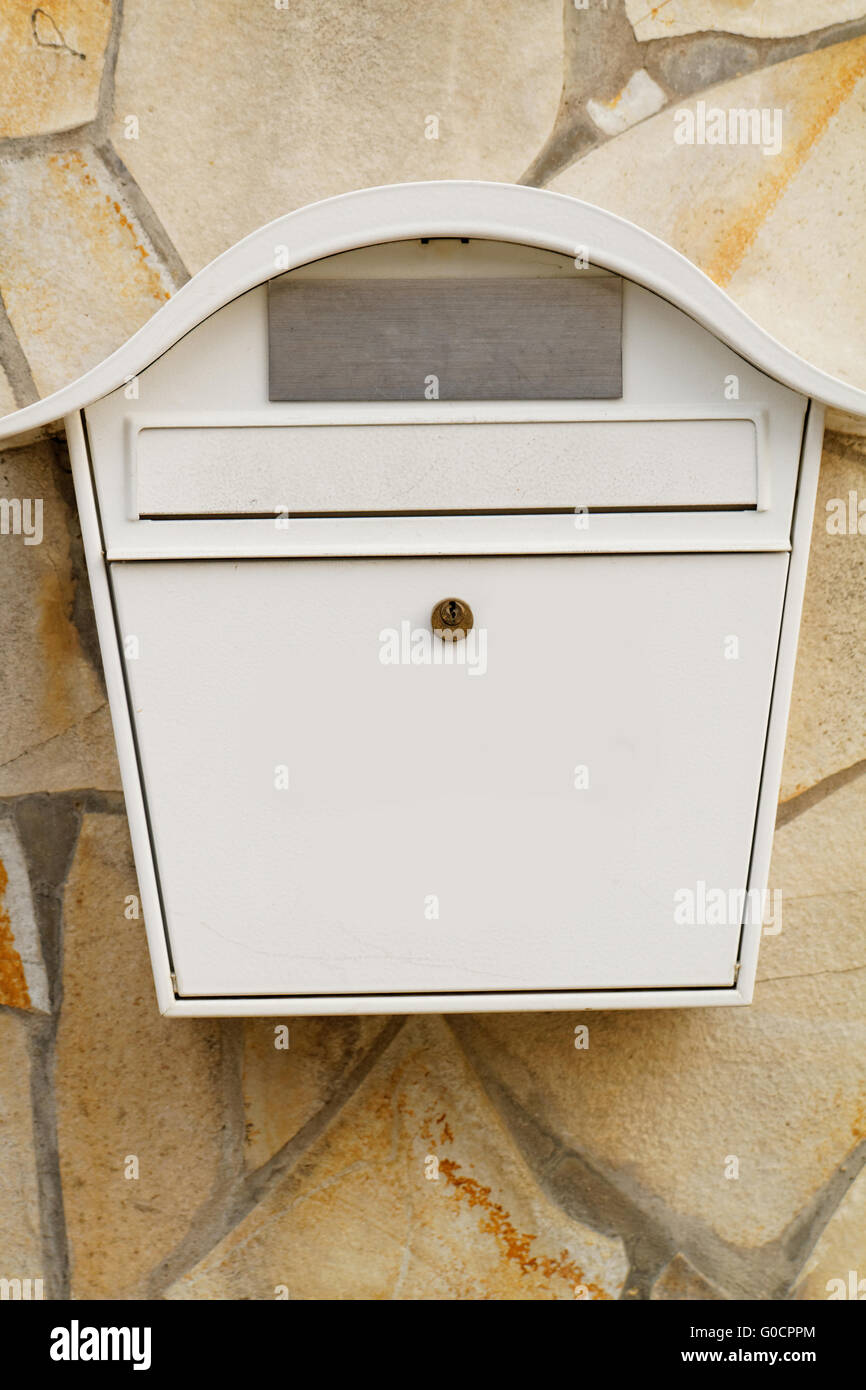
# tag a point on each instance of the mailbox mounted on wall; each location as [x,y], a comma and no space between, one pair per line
[447,544]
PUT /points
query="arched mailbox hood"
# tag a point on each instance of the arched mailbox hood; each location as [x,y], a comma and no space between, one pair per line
[447,544]
[448,208]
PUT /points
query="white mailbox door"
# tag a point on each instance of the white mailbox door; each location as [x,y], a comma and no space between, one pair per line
[341,814]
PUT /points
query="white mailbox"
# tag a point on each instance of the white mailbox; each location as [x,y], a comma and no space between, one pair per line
[447,544]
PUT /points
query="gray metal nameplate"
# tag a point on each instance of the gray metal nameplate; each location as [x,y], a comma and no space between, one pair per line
[455,339]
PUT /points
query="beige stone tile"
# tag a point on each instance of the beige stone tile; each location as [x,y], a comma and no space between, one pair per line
[246,112]
[78,276]
[827,722]
[818,216]
[837,1266]
[784,234]
[54,725]
[680,1281]
[764,20]
[358,1218]
[52,64]
[23,984]
[20,1247]
[662,1100]
[286,1085]
[129,1085]
[819,868]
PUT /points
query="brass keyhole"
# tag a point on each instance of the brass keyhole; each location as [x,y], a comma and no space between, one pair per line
[451,619]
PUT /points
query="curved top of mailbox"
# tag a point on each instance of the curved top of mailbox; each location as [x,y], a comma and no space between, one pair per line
[467,208]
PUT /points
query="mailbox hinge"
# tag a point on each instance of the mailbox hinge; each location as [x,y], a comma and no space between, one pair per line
[174,981]
[736,972]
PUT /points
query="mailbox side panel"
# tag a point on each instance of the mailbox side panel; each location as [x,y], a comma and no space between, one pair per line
[117,698]
[786,660]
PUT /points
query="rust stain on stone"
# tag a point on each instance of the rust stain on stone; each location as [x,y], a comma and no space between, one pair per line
[652,13]
[59,642]
[13,982]
[444,1130]
[514,1246]
[821,103]
[73,164]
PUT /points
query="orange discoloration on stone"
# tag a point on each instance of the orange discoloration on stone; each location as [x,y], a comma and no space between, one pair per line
[60,646]
[795,790]
[652,13]
[445,1130]
[13,982]
[615,100]
[820,104]
[514,1245]
[109,219]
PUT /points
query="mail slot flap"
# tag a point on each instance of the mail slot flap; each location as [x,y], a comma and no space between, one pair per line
[496,466]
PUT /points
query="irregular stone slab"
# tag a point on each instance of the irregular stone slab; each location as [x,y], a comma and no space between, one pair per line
[681,1281]
[20,1245]
[352,96]
[52,64]
[639,98]
[837,1266]
[292,1069]
[827,722]
[822,203]
[782,233]
[55,731]
[766,20]
[71,310]
[23,984]
[360,1218]
[135,1092]
[662,1101]
[819,868]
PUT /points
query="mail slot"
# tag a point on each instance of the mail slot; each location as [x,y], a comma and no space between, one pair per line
[382,469]
[448,546]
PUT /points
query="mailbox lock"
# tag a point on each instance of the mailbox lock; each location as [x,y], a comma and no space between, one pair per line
[451,619]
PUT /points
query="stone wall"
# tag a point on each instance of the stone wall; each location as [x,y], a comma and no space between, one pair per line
[683,1154]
